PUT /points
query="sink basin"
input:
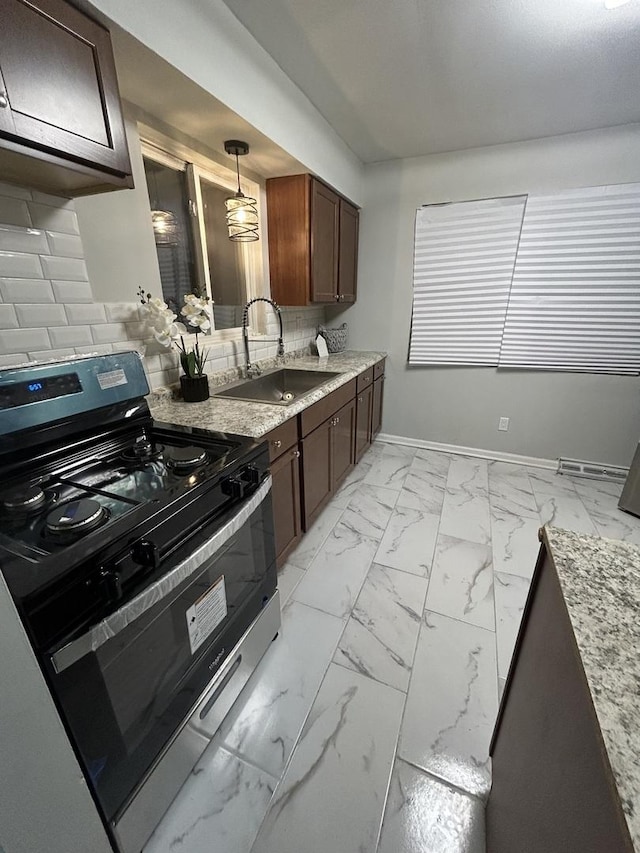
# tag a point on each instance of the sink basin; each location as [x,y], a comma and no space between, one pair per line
[278,387]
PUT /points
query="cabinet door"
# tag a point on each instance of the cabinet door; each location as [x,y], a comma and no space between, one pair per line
[376,407]
[343,432]
[363,421]
[60,83]
[348,252]
[317,477]
[325,214]
[285,473]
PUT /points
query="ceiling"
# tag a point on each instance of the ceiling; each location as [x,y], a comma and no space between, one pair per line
[413,77]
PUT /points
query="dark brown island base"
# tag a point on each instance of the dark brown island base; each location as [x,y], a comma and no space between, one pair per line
[565,746]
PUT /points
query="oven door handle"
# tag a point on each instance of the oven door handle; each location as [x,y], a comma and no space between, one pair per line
[112,625]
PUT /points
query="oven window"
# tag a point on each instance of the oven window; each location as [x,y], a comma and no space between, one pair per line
[125,701]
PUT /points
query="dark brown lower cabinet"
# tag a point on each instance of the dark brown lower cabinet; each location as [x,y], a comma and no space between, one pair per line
[285,495]
[316,471]
[364,402]
[326,436]
[376,407]
[553,790]
[327,458]
[343,425]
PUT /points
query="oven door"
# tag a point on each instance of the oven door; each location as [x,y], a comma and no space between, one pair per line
[128,684]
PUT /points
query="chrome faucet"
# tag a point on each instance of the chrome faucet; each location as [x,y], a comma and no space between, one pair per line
[253,369]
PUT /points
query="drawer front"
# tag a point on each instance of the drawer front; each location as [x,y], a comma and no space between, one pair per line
[282,438]
[323,409]
[365,379]
[378,369]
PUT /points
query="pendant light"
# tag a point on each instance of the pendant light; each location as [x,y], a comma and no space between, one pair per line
[242,211]
[165,223]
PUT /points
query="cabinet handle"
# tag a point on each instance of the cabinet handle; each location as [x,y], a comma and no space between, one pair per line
[361,399]
[296,454]
[337,421]
[337,298]
[277,443]
[3,100]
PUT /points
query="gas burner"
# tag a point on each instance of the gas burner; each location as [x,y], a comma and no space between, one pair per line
[143,450]
[77,516]
[24,499]
[182,458]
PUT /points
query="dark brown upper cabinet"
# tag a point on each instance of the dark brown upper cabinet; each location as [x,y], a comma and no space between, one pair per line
[61,126]
[313,242]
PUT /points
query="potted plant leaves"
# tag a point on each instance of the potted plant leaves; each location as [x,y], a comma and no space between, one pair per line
[193,382]
[163,323]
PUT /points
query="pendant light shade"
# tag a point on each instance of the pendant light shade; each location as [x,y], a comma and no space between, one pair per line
[165,227]
[242,211]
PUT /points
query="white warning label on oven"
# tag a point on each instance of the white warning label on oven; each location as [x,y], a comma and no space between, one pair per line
[111,378]
[205,614]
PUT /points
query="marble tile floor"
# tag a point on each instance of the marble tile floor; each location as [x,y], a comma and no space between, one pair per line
[366,726]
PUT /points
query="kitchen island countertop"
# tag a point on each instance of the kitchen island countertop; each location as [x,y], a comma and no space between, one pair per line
[600,580]
[257,419]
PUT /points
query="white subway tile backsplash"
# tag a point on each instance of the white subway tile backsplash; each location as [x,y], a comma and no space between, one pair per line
[129,345]
[30,240]
[109,333]
[122,312]
[49,354]
[16,265]
[14,211]
[70,336]
[52,218]
[25,290]
[23,340]
[94,349]
[15,192]
[169,360]
[13,359]
[8,318]
[136,330]
[71,269]
[92,312]
[72,291]
[31,315]
[65,245]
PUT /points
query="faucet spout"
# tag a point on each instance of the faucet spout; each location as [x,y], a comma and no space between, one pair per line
[245,331]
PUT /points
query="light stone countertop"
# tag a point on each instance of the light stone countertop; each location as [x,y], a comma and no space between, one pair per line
[257,419]
[600,580]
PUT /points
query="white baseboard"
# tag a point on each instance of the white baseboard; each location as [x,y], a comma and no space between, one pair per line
[498,456]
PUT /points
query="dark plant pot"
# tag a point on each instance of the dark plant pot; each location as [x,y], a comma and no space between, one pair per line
[195,389]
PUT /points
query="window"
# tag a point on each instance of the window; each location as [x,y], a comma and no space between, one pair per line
[195,254]
[463,266]
[536,282]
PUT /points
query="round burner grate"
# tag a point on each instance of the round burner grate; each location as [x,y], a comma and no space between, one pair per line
[143,451]
[27,499]
[76,516]
[185,457]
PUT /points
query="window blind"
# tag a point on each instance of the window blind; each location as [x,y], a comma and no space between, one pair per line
[575,295]
[463,265]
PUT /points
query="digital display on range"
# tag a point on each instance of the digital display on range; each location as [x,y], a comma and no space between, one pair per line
[35,390]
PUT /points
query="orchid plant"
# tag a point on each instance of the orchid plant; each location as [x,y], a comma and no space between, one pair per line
[165,327]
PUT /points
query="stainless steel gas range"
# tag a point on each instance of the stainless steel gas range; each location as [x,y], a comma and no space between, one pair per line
[141,558]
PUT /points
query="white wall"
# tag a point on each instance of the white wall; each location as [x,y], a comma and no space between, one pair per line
[117,235]
[590,417]
[204,40]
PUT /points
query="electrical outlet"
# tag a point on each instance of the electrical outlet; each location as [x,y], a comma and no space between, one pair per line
[503,424]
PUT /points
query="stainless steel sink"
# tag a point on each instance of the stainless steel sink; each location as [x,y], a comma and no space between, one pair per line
[278,387]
